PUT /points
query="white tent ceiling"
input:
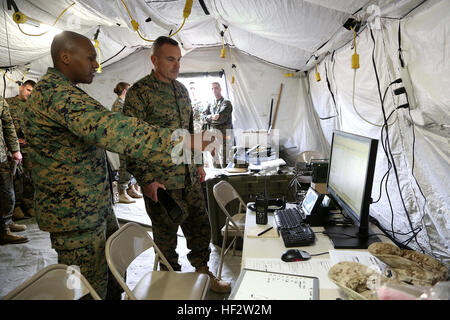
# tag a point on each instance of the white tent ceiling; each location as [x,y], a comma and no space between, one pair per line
[288,33]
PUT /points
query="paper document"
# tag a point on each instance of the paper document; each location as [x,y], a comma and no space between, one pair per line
[261,285]
[314,268]
[362,257]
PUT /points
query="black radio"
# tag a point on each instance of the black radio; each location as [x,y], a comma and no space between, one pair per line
[263,206]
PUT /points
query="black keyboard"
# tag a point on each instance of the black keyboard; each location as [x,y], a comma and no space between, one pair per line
[294,231]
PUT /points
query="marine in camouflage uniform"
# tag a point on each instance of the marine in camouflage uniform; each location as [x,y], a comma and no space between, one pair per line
[168,105]
[23,185]
[224,109]
[8,143]
[68,132]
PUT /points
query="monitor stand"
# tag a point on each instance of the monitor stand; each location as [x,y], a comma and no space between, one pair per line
[339,236]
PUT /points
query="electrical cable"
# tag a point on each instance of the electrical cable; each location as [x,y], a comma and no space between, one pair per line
[19,18]
[186,12]
[114,55]
[354,107]
[332,95]
[7,33]
[5,75]
[319,254]
[389,147]
[4,86]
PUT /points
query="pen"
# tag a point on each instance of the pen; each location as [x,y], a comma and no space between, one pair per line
[262,232]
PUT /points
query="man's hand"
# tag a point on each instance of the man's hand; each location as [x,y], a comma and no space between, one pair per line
[215,117]
[17,157]
[201,174]
[150,190]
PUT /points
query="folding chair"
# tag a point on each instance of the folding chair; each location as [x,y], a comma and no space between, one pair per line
[129,242]
[234,226]
[54,282]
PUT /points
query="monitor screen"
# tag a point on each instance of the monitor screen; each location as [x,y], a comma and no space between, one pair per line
[348,170]
[310,201]
[349,183]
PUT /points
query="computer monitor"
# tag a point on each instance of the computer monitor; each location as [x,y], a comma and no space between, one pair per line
[349,183]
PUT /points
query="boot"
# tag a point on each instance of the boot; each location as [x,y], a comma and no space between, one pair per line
[218,286]
[133,193]
[10,238]
[18,213]
[15,227]
[124,197]
[29,212]
[137,188]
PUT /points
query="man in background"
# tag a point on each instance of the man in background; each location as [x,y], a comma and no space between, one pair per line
[8,144]
[218,116]
[23,185]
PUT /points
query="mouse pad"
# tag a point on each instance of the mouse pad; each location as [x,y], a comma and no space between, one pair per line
[252,232]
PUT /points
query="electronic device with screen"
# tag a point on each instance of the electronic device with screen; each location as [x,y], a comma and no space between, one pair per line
[349,183]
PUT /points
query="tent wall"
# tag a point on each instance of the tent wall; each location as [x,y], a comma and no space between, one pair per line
[256,84]
[422,135]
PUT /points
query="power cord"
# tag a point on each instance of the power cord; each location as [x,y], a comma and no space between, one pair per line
[20,18]
[186,12]
[389,154]
[319,254]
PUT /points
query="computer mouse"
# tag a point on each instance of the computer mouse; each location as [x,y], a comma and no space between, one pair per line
[292,255]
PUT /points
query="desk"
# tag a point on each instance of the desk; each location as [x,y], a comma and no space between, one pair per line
[248,187]
[273,248]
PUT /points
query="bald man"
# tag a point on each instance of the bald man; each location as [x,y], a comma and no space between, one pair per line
[68,132]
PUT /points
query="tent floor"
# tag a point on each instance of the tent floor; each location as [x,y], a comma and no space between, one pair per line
[21,261]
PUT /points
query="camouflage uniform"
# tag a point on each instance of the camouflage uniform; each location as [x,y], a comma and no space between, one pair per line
[168,105]
[125,178]
[23,185]
[224,109]
[8,142]
[197,110]
[67,133]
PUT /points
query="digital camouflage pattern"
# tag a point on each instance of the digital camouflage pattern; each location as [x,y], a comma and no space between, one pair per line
[67,133]
[168,105]
[358,281]
[23,185]
[224,109]
[8,136]
[196,227]
[410,266]
[117,105]
[197,111]
[154,102]
[16,108]
[124,176]
[8,141]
